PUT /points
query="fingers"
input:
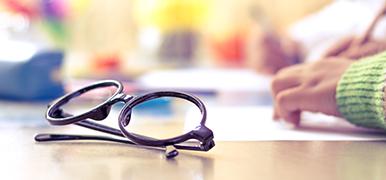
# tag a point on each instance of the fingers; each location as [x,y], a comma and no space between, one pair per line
[281,83]
[309,87]
[286,78]
[339,47]
[364,50]
[289,103]
[278,85]
[275,115]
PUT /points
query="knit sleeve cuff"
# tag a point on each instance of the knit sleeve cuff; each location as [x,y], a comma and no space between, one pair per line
[360,92]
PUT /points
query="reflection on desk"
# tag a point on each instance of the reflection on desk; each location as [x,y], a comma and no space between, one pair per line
[24,159]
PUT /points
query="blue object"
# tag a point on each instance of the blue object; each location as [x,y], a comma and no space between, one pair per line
[35,79]
[159,106]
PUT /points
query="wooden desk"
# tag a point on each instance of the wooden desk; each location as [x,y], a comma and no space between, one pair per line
[22,158]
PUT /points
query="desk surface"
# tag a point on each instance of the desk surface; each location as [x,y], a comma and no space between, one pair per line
[22,158]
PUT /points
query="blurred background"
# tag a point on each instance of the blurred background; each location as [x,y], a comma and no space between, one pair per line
[50,47]
[126,38]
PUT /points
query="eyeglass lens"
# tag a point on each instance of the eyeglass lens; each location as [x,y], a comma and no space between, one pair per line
[88,100]
[154,118]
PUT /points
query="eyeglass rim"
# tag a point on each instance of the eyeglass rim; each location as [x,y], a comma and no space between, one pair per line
[125,114]
[194,134]
[55,106]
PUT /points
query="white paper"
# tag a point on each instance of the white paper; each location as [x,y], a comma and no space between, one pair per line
[240,80]
[255,123]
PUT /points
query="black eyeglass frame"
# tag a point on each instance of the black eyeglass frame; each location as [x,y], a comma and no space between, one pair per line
[56,116]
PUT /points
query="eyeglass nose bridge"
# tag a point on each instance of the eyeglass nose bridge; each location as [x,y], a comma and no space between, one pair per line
[102,112]
[121,97]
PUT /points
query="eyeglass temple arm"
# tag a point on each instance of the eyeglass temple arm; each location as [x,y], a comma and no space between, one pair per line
[65,137]
[94,126]
[91,125]
[106,129]
[99,127]
[170,152]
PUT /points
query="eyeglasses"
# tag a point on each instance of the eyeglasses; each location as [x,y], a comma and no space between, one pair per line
[198,139]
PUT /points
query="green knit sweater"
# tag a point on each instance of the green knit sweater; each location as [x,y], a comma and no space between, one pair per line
[360,92]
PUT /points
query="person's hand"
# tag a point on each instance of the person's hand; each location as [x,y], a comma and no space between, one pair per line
[307,87]
[352,48]
[272,53]
[356,47]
